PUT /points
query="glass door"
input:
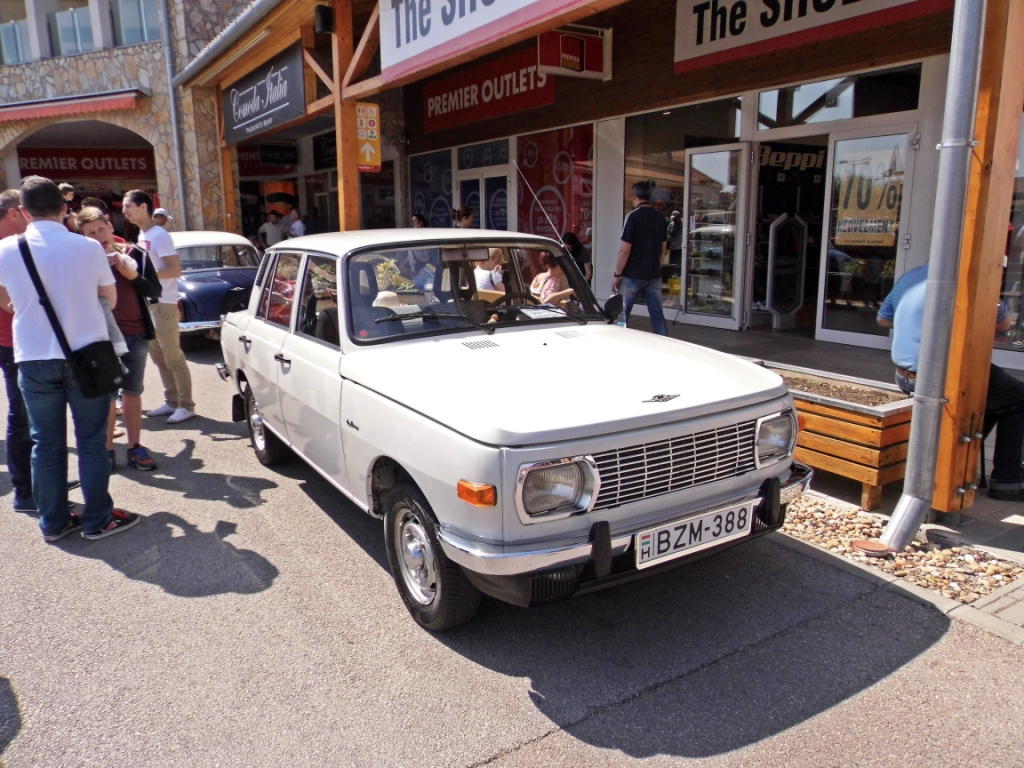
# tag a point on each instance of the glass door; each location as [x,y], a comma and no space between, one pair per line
[714,235]
[487,195]
[868,209]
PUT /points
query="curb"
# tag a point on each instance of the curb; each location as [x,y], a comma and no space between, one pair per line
[944,605]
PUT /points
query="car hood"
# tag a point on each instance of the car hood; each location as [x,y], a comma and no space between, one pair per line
[544,385]
[232,276]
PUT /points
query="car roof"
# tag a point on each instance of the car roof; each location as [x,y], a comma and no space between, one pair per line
[343,242]
[208,237]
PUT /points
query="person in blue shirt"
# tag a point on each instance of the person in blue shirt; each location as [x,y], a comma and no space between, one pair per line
[903,311]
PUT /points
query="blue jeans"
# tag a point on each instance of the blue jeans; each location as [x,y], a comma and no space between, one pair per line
[651,290]
[49,388]
[19,441]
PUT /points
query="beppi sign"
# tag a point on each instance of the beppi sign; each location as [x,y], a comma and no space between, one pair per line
[416,34]
[711,32]
[265,99]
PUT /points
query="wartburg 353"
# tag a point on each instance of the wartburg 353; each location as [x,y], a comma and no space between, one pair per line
[513,440]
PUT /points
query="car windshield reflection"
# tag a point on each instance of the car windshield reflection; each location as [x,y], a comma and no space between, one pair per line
[424,291]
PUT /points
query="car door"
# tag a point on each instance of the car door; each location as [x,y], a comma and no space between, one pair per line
[265,359]
[308,380]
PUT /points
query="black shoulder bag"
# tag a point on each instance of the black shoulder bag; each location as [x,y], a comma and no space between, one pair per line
[97,369]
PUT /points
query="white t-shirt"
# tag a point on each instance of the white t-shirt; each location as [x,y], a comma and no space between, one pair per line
[159,244]
[71,268]
[487,279]
[272,233]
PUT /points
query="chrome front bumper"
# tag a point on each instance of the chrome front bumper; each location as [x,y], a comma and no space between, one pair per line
[494,560]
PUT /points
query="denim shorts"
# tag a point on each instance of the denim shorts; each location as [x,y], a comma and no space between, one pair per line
[135,362]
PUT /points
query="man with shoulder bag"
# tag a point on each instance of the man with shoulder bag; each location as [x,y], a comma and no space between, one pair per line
[74,274]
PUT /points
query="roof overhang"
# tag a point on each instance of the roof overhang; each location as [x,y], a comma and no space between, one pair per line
[72,105]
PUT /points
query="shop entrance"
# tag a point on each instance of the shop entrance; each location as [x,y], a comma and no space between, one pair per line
[487,195]
[790,201]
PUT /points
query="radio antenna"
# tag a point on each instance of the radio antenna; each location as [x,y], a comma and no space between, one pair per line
[551,224]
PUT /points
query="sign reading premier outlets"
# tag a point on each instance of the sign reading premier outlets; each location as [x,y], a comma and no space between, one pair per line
[711,32]
[266,98]
[415,34]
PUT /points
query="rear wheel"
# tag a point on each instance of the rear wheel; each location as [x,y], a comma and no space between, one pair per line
[268,446]
[433,588]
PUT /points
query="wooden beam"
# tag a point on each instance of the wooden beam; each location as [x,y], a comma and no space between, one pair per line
[989,194]
[327,102]
[318,70]
[342,47]
[369,43]
[362,89]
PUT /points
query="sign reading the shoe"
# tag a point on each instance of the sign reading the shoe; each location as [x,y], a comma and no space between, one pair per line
[265,99]
[711,32]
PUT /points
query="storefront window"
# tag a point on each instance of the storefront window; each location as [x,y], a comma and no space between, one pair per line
[483,155]
[556,189]
[872,93]
[656,145]
[1013,275]
[430,183]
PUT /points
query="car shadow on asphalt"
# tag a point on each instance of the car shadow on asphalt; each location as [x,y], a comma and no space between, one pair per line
[175,555]
[712,657]
[10,715]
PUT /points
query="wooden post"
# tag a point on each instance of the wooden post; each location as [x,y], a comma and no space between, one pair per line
[343,42]
[989,192]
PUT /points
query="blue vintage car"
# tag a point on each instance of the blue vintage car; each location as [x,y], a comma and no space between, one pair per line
[218,272]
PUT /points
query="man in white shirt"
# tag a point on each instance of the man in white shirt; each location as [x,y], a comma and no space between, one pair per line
[75,274]
[296,228]
[271,232]
[165,349]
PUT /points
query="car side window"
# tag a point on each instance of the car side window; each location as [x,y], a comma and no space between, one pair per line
[278,297]
[319,300]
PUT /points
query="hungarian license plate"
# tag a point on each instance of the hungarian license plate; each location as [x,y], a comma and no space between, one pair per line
[682,537]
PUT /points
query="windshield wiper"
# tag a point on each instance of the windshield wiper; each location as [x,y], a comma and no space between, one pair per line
[489,327]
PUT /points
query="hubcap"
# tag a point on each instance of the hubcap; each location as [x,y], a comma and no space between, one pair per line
[417,561]
[256,425]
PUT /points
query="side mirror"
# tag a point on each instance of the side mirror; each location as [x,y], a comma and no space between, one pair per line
[613,308]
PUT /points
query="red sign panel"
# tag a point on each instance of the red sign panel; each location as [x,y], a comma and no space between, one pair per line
[87,163]
[509,84]
[571,53]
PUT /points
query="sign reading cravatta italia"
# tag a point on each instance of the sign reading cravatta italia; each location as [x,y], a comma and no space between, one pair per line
[710,32]
[415,34]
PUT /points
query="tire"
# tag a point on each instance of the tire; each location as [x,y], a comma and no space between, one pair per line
[433,588]
[268,446]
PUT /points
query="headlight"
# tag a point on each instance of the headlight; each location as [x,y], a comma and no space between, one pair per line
[776,436]
[553,489]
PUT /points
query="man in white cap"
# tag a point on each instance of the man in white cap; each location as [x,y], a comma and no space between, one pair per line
[162,217]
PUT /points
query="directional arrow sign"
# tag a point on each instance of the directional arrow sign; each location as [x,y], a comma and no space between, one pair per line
[368,135]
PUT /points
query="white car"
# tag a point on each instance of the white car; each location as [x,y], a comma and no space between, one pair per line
[527,451]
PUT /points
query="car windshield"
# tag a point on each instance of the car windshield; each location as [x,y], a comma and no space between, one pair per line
[429,290]
[207,256]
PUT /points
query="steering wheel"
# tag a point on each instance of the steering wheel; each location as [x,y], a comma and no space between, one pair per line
[508,298]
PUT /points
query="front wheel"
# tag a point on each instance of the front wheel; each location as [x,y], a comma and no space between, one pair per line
[268,446]
[433,588]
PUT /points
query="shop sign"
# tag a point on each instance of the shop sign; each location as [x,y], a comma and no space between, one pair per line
[870,193]
[266,98]
[479,92]
[711,32]
[575,53]
[87,163]
[325,151]
[368,137]
[266,159]
[417,34]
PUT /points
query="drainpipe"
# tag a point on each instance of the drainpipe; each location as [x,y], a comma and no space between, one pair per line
[175,126]
[947,232]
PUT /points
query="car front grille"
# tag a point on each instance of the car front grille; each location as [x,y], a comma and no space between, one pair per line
[654,469]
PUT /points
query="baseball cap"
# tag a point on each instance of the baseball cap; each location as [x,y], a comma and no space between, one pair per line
[677,213]
[163,212]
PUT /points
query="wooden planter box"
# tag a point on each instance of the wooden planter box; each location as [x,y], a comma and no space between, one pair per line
[867,443]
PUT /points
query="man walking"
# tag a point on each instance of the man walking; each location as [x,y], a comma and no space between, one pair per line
[75,274]
[165,348]
[638,269]
[271,232]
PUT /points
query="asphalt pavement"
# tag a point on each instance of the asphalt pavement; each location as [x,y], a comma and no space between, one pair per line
[250,620]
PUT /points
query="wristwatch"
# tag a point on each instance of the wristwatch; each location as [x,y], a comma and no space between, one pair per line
[618,275]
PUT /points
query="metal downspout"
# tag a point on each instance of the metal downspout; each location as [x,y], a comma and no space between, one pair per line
[175,126]
[947,233]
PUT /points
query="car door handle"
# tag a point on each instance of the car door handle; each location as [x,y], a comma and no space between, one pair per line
[282,359]
[245,340]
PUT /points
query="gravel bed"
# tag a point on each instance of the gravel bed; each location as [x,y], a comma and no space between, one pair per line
[960,573]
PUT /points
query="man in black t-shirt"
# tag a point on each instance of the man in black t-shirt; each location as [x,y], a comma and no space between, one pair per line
[638,268]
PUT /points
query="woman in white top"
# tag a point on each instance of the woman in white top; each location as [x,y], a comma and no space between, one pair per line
[488,273]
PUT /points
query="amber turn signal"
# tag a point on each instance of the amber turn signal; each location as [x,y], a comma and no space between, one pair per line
[477,494]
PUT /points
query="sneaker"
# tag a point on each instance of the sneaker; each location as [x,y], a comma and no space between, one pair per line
[118,521]
[73,524]
[113,460]
[1014,494]
[180,415]
[25,503]
[164,410]
[139,458]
